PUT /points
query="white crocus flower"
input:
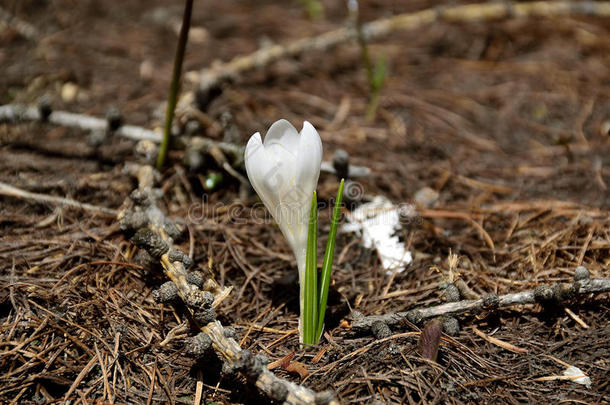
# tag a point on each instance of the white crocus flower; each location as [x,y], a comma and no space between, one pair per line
[284,171]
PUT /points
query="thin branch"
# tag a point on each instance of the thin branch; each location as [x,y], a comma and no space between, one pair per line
[19,112]
[212,77]
[541,294]
[155,233]
[8,190]
[16,113]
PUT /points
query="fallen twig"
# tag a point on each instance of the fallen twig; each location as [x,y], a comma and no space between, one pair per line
[155,233]
[541,294]
[18,113]
[11,191]
[211,78]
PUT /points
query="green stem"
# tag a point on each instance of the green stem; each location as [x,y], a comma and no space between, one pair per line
[327,266]
[311,275]
[175,85]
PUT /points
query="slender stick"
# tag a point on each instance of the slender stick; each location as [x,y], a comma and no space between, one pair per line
[8,190]
[327,266]
[175,85]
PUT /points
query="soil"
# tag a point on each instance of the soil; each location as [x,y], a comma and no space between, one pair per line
[506,120]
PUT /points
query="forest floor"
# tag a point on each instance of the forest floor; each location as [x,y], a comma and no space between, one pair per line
[507,121]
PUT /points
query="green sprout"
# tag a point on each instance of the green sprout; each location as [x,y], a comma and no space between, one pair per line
[376,74]
[175,85]
[314,8]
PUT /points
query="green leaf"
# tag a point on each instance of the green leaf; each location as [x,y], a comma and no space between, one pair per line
[311,276]
[327,266]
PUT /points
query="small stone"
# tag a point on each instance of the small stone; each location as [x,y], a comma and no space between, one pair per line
[147,69]
[452,294]
[426,197]
[451,326]
[581,273]
[69,91]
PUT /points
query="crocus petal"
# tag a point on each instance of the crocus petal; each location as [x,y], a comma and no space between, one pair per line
[258,165]
[309,159]
[283,135]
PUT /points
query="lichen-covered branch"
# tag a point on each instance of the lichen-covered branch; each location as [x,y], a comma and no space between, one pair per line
[154,232]
[543,294]
[16,113]
[211,78]
[20,112]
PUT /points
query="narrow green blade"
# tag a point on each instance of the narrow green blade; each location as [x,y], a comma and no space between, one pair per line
[327,266]
[311,276]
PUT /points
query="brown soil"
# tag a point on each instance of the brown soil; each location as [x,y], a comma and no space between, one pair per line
[505,120]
